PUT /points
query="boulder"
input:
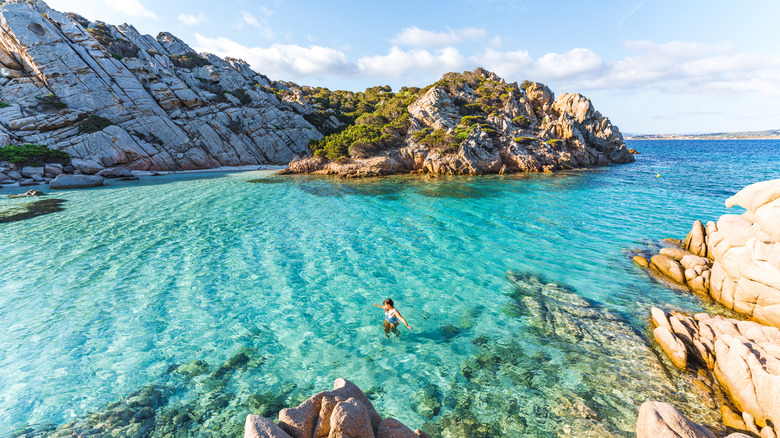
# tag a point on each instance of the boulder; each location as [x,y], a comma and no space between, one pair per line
[675,253]
[75,181]
[116,172]
[755,195]
[662,420]
[669,267]
[319,413]
[672,346]
[392,428]
[641,261]
[259,427]
[13,174]
[659,318]
[86,167]
[350,419]
[695,241]
[29,171]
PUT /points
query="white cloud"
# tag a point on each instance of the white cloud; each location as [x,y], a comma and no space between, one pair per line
[282,61]
[399,62]
[520,65]
[260,24]
[416,37]
[192,19]
[133,8]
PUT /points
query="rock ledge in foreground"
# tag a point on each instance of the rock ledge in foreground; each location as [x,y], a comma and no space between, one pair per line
[343,412]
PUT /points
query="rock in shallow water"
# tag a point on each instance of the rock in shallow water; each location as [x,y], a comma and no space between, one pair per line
[662,420]
[75,182]
[566,348]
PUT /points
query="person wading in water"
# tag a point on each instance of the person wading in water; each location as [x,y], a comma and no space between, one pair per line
[392,315]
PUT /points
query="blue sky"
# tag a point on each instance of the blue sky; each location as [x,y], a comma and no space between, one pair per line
[651,66]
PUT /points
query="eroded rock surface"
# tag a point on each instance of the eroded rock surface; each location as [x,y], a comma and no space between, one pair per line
[744,357]
[344,412]
[531,132]
[110,96]
[735,260]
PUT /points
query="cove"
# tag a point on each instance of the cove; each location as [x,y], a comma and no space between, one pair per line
[194,300]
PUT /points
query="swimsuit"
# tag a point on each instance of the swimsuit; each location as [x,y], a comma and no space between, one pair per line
[390,316]
[391,322]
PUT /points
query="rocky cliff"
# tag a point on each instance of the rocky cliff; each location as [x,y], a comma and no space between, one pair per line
[477,123]
[110,96]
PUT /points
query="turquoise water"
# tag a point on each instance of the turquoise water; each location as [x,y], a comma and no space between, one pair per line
[108,296]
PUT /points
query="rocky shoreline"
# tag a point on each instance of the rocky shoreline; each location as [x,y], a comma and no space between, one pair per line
[532,132]
[735,262]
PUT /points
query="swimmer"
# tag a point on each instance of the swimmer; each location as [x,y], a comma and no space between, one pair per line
[392,315]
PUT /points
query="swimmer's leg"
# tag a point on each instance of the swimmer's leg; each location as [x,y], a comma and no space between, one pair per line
[387,326]
[395,330]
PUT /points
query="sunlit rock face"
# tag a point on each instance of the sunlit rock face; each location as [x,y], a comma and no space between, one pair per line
[113,96]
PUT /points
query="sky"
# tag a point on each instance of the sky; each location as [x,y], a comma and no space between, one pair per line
[651,66]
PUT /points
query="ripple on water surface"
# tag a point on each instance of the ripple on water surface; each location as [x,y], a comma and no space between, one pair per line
[189,302]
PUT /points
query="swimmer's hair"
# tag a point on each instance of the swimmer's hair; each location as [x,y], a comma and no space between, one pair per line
[390,302]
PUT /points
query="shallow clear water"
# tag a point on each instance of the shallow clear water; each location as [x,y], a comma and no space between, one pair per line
[104,298]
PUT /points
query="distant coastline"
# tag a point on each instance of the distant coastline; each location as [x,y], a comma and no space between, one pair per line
[772,134]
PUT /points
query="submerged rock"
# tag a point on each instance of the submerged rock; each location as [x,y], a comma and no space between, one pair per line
[567,346]
[30,210]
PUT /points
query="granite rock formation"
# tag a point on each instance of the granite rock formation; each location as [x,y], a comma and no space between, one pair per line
[532,132]
[344,412]
[111,96]
[743,356]
[735,260]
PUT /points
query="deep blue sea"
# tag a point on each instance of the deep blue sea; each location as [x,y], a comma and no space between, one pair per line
[266,288]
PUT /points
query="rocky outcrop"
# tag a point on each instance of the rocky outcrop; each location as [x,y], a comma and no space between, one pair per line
[531,132]
[662,420]
[735,260]
[344,412]
[743,356]
[110,96]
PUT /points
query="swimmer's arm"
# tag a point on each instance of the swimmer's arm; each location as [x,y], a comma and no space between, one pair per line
[402,319]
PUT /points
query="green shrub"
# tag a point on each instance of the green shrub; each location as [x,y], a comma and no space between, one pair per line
[521,121]
[470,120]
[49,102]
[26,154]
[525,140]
[117,56]
[189,60]
[94,123]
[438,139]
[338,145]
[525,84]
[4,105]
[242,96]
[554,141]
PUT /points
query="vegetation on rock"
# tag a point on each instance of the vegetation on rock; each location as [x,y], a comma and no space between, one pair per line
[94,123]
[375,120]
[27,153]
[189,60]
[49,102]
